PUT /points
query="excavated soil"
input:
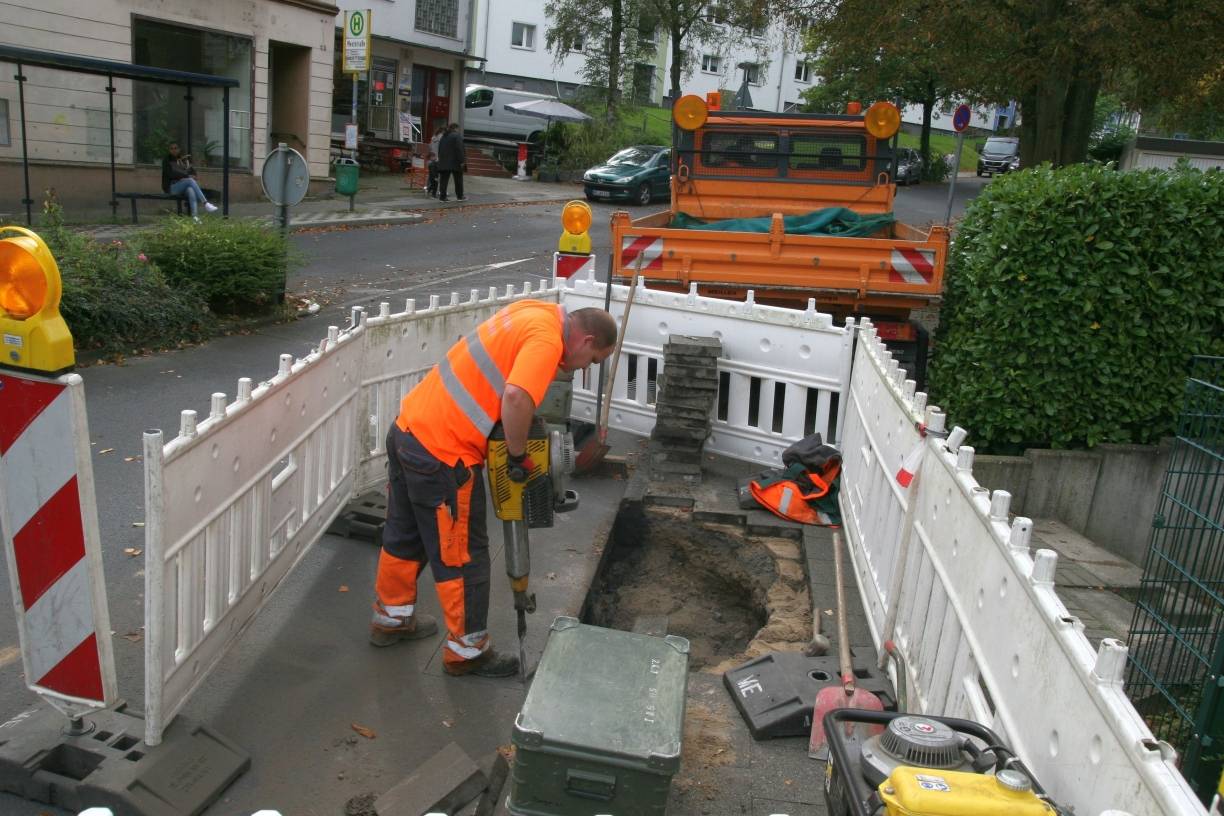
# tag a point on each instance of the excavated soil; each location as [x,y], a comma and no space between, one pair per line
[733,596]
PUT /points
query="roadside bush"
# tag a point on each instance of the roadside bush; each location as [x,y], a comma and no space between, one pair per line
[1109,147]
[116,301]
[1074,300]
[238,267]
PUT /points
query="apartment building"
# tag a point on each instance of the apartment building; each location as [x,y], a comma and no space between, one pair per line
[416,78]
[509,48]
[278,51]
[510,52]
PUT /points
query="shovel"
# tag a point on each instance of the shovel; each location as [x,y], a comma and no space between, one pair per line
[847,695]
[595,448]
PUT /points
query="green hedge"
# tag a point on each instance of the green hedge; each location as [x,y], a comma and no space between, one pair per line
[1074,300]
[116,301]
[237,266]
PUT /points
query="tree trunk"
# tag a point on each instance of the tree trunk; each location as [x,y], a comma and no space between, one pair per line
[1077,117]
[676,68]
[614,57]
[1043,109]
[924,138]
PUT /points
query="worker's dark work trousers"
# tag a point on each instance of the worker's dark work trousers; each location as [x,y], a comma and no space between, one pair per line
[444,182]
[436,516]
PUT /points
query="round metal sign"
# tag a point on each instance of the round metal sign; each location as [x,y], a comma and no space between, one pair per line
[960,119]
[285,176]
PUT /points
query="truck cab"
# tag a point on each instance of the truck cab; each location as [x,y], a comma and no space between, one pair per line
[794,207]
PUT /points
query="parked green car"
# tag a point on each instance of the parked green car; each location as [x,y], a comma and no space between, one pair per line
[637,174]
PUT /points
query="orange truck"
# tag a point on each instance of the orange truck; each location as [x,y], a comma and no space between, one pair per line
[769,166]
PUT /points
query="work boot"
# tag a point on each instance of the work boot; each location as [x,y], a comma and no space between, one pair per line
[489,664]
[414,627]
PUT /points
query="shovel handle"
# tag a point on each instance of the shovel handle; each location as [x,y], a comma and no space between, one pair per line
[843,632]
[606,408]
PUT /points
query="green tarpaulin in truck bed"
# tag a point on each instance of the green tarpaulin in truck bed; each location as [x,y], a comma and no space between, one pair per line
[829,221]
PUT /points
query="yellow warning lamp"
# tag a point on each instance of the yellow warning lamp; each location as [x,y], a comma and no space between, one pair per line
[882,120]
[690,112]
[33,334]
[575,221]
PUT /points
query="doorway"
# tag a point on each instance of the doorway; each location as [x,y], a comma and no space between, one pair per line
[288,95]
[381,103]
[431,94]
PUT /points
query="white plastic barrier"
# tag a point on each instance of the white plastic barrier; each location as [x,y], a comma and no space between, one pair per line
[400,350]
[233,502]
[230,506]
[782,371]
[981,628]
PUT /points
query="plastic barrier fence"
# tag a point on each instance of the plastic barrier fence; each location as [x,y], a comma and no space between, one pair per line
[233,502]
[782,372]
[400,350]
[982,631]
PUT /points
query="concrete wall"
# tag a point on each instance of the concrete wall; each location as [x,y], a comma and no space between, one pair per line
[67,121]
[1108,494]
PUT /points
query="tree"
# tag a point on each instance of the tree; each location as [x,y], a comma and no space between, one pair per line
[609,38]
[864,56]
[1053,56]
[687,21]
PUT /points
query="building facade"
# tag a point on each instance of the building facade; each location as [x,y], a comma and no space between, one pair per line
[279,51]
[416,78]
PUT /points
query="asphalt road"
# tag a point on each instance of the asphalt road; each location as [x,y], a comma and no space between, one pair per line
[457,249]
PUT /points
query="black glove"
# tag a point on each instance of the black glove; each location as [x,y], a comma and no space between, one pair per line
[519,468]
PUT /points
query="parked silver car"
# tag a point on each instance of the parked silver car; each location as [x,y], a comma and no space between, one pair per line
[909,166]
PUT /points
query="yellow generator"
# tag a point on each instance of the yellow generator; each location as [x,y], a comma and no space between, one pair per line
[885,763]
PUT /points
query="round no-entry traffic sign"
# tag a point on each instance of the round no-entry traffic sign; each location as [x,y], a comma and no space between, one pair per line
[960,119]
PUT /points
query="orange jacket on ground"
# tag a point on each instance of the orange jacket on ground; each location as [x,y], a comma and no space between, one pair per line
[452,410]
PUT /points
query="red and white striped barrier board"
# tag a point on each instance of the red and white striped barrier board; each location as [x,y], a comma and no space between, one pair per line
[650,248]
[912,266]
[49,525]
[566,266]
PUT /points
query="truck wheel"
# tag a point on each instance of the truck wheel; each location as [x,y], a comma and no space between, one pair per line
[643,194]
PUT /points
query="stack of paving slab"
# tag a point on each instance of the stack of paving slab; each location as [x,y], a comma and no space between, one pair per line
[688,388]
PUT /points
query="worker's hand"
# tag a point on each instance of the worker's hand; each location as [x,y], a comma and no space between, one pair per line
[519,468]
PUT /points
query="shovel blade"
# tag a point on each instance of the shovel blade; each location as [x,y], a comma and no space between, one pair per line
[834,697]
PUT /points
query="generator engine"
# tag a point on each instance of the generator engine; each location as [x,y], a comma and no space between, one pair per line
[925,766]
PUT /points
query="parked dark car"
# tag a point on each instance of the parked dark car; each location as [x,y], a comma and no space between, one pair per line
[636,174]
[909,166]
[1001,154]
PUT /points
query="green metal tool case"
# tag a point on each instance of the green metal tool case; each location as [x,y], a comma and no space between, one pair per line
[601,728]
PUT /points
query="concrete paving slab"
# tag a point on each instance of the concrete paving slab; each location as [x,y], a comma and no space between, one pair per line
[1104,613]
[1105,568]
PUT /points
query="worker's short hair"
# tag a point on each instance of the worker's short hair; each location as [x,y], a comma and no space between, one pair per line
[597,323]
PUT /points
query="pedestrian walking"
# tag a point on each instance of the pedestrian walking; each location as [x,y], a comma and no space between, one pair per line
[431,186]
[436,449]
[451,162]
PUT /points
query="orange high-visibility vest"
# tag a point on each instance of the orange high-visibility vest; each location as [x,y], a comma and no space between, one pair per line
[452,411]
[780,494]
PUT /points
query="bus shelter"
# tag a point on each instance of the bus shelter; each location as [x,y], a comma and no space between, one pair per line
[112,70]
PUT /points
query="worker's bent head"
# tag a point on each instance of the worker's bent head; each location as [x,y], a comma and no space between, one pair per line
[591,338]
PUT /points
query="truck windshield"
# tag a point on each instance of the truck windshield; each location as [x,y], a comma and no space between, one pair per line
[632,155]
[1000,146]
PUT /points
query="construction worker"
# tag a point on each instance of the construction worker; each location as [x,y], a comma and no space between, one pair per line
[435,451]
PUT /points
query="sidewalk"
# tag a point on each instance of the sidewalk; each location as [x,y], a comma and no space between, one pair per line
[382,198]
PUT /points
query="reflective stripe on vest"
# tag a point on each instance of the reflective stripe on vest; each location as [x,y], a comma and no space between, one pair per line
[463,398]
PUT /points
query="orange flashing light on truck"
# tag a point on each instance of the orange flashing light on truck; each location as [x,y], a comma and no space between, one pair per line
[779,170]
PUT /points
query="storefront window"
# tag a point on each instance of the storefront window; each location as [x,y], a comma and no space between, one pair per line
[162,112]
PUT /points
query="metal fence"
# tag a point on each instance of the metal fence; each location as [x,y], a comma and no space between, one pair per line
[1175,675]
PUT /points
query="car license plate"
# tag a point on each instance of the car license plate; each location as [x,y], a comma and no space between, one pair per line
[601,193]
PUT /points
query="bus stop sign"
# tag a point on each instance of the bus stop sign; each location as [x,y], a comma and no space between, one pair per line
[960,119]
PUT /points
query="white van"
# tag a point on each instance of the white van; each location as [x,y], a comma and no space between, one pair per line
[485,114]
